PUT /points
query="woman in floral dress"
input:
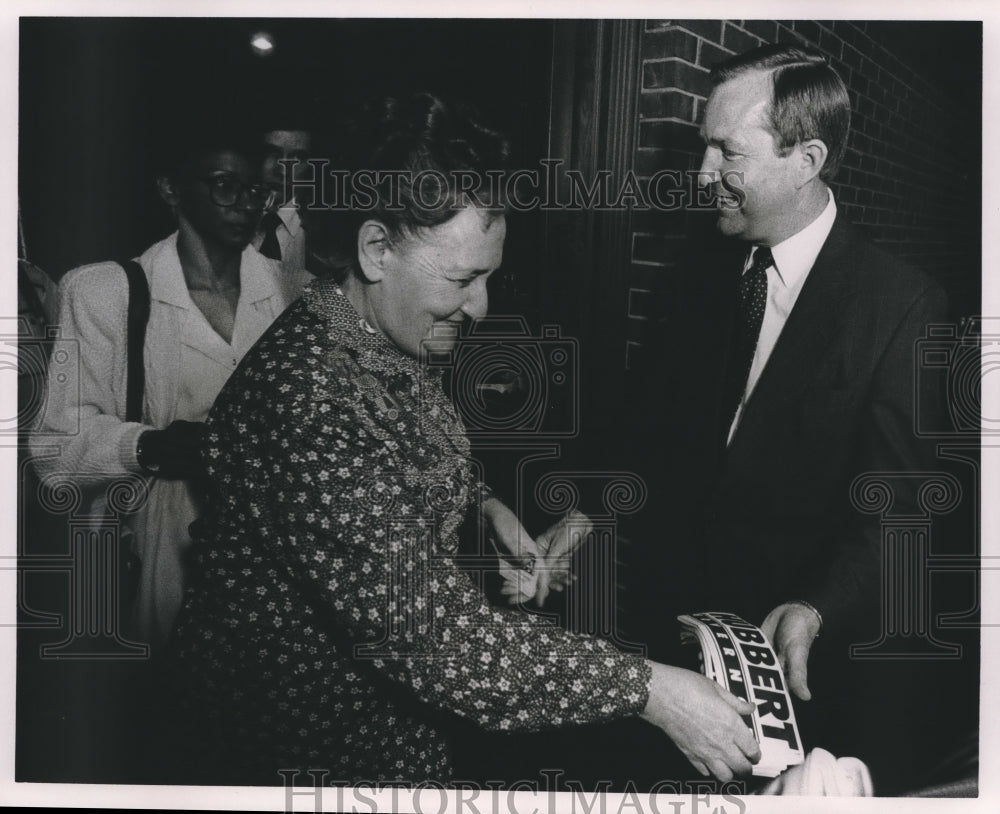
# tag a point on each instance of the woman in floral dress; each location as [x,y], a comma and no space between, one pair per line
[331,628]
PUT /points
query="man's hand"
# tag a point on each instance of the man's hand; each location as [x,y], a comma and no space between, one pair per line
[703,720]
[557,545]
[791,628]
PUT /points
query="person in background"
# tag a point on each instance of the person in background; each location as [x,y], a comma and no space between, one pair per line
[280,234]
[37,309]
[211,297]
[330,625]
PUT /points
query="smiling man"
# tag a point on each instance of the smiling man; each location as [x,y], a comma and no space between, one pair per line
[787,370]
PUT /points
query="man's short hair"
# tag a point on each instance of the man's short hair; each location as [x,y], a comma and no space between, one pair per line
[809,99]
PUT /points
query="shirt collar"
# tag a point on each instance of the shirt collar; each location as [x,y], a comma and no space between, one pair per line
[289,214]
[167,284]
[794,257]
[257,277]
[166,277]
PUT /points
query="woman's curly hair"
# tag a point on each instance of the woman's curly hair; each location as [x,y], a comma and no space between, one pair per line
[408,163]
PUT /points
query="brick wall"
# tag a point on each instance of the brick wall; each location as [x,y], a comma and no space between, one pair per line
[910,177]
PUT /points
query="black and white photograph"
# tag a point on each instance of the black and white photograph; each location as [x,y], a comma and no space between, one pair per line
[566,409]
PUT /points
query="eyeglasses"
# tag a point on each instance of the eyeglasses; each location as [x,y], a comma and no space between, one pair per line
[226,190]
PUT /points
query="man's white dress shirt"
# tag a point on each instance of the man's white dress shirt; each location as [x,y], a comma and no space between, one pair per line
[793,260]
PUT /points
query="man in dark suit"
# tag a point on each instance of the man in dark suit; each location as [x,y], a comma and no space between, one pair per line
[785,371]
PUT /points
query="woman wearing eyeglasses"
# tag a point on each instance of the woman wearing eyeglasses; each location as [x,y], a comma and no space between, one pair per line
[211,297]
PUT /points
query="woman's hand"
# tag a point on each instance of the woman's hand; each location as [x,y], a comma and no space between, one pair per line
[558,544]
[703,720]
[520,570]
[536,567]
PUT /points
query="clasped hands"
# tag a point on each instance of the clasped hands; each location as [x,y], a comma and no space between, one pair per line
[539,565]
[702,719]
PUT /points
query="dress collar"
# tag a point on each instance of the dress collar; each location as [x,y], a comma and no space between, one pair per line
[347,327]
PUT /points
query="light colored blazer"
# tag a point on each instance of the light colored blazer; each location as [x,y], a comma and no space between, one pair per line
[82,434]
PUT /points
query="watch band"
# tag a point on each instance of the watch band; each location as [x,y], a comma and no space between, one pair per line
[142,451]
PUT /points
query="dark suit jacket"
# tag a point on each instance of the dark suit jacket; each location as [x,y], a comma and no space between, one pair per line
[770,519]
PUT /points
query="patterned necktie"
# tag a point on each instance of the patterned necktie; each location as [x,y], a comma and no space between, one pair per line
[751,299]
[269,246]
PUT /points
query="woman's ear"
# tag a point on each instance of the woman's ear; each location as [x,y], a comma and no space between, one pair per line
[168,192]
[373,247]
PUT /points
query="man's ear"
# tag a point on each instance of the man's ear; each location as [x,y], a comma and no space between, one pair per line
[168,190]
[812,155]
[373,246]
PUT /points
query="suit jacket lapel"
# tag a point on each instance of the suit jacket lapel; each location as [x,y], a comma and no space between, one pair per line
[705,308]
[698,333]
[811,326]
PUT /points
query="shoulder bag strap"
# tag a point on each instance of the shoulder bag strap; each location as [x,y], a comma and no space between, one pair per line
[138,316]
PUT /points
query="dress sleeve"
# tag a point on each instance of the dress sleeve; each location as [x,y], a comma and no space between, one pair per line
[80,431]
[353,528]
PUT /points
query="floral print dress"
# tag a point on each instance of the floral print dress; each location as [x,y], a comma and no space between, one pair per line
[330,627]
